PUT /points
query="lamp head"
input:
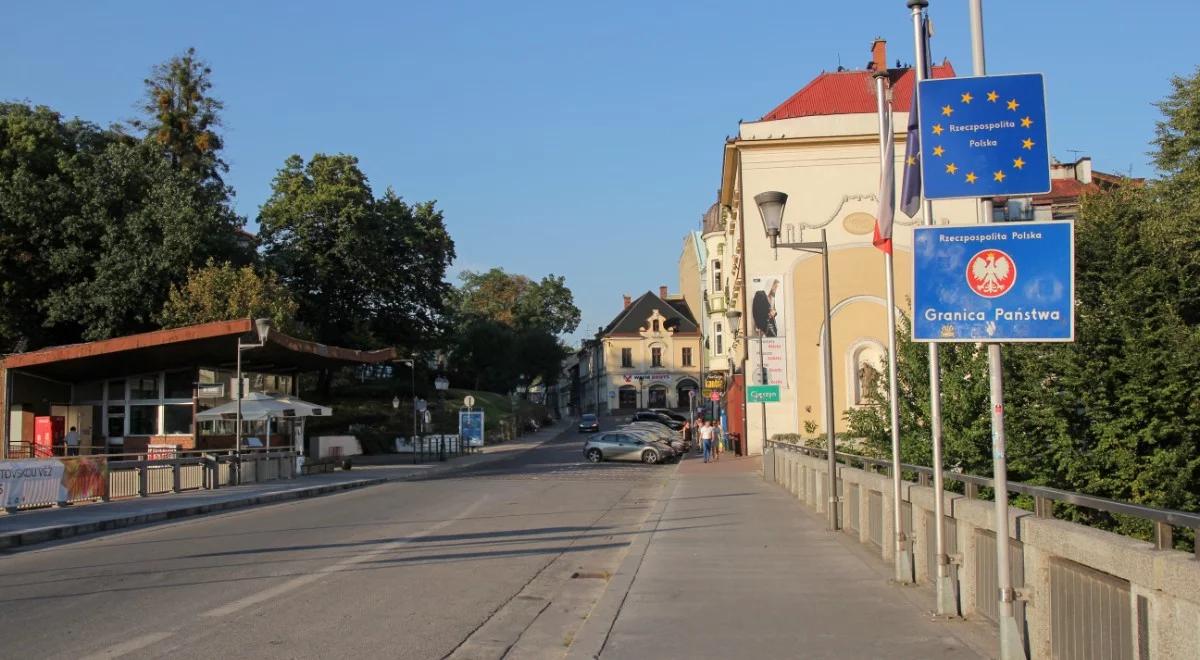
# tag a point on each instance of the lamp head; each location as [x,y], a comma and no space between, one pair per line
[395,402]
[770,207]
[263,328]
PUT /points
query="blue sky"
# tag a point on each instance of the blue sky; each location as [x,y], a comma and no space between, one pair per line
[582,139]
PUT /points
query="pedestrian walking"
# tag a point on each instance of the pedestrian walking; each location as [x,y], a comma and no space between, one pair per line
[72,442]
[687,434]
[706,439]
[718,438]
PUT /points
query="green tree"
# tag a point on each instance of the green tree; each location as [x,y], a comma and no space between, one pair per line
[182,116]
[518,301]
[222,292]
[365,271]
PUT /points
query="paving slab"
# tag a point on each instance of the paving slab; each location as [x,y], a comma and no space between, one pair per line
[761,579]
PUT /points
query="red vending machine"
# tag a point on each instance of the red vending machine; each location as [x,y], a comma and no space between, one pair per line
[48,435]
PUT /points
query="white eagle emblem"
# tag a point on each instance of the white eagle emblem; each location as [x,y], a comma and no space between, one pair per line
[991,273]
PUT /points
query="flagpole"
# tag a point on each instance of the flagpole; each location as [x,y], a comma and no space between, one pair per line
[903,559]
[946,602]
[1011,647]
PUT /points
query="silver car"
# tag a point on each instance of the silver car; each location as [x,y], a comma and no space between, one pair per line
[626,446]
[658,433]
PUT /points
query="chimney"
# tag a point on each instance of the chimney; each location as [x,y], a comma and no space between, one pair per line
[879,55]
[662,292]
[627,301]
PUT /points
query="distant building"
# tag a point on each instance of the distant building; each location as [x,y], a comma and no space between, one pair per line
[1069,183]
[647,357]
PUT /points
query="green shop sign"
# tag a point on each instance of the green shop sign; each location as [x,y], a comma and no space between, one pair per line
[762,394]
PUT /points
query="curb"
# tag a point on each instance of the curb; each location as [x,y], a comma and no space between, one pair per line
[59,532]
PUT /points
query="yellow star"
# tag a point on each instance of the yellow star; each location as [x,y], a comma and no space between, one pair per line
[998,175]
[971,177]
[1018,163]
[951,168]
[967,98]
[1026,122]
[1013,105]
[1027,143]
[937,129]
[911,160]
[938,150]
[992,96]
[947,110]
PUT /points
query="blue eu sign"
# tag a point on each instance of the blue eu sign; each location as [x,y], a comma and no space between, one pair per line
[1003,282]
[984,136]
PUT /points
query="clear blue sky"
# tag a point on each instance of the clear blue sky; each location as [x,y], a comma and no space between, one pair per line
[582,139]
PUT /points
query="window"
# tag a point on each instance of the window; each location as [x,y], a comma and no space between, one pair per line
[627,357]
[716,269]
[720,340]
[144,387]
[116,390]
[178,385]
[687,357]
[177,419]
[116,421]
[143,420]
[656,357]
[654,325]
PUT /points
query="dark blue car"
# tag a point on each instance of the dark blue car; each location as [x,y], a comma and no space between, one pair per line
[589,424]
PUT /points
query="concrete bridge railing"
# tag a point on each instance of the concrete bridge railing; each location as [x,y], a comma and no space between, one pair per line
[1084,592]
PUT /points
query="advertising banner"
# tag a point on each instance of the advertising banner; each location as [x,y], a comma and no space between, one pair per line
[768,330]
[470,427]
[47,481]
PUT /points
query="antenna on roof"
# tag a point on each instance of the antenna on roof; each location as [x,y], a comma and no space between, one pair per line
[1075,154]
[840,67]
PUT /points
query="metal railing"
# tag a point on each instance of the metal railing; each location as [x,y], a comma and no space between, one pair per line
[1165,520]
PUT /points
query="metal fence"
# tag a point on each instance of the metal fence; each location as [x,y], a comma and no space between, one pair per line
[1090,616]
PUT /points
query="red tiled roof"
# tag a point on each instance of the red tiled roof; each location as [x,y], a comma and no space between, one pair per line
[851,92]
[1062,190]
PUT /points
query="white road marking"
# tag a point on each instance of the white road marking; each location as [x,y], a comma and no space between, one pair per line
[296,583]
[129,646]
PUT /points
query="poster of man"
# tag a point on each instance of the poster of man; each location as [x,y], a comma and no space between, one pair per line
[765,306]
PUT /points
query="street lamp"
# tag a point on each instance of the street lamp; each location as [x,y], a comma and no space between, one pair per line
[412,365]
[262,327]
[771,205]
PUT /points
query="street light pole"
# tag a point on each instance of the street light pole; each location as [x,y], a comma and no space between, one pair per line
[771,206]
[262,328]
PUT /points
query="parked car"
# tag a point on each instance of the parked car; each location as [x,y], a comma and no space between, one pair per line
[679,417]
[625,446]
[670,438]
[589,423]
[648,416]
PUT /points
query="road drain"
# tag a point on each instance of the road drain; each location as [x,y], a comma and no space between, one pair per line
[593,575]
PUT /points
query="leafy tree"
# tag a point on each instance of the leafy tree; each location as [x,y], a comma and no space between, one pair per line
[222,292]
[365,271]
[181,115]
[518,301]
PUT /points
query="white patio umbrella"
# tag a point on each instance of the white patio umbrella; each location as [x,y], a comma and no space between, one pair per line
[257,406]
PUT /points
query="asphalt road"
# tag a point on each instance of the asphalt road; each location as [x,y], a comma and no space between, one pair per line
[507,557]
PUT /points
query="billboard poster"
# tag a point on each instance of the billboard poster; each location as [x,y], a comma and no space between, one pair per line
[48,481]
[768,330]
[470,427]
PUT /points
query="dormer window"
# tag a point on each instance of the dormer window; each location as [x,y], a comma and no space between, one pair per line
[654,325]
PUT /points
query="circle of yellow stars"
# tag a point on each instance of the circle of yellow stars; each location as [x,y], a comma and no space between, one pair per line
[971,177]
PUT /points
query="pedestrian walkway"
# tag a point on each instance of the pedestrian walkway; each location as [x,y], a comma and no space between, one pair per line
[734,568]
[50,524]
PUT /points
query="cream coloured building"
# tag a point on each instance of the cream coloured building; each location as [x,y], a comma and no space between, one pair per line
[648,356]
[821,147]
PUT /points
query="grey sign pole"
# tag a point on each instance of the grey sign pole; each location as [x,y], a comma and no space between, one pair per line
[946,603]
[1011,647]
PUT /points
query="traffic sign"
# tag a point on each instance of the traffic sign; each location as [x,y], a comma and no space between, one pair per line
[1004,282]
[469,401]
[762,394]
[984,136]
[715,396]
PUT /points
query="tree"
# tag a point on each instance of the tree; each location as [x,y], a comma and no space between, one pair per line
[519,302]
[222,292]
[365,271]
[181,115]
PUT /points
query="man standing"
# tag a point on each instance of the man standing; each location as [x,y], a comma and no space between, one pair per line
[72,442]
[706,439]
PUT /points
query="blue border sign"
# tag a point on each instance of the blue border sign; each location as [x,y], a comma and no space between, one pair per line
[470,427]
[995,283]
[984,136]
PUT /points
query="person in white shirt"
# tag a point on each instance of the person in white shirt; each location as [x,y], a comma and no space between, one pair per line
[72,442]
[706,439]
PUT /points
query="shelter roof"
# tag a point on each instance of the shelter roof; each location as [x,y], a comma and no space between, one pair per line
[207,344]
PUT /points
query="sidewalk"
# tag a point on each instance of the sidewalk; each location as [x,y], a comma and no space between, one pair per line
[52,524]
[731,567]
